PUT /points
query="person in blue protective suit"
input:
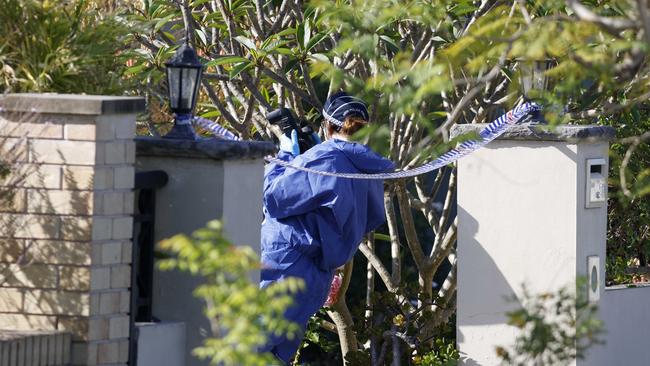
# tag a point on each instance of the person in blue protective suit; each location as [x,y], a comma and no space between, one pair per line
[313,223]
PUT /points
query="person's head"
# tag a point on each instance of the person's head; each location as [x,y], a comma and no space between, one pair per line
[344,114]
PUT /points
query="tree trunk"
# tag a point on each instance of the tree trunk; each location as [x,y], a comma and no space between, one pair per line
[342,318]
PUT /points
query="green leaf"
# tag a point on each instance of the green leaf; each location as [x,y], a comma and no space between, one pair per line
[202,36]
[226,60]
[315,40]
[270,46]
[246,42]
[437,114]
[239,68]
[177,26]
[391,44]
[211,114]
[286,32]
[300,34]
[382,237]
[307,34]
[134,69]
[290,65]
[463,8]
[162,22]
[170,36]
[319,57]
[283,51]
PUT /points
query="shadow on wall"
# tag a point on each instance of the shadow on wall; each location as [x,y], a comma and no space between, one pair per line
[479,278]
[45,233]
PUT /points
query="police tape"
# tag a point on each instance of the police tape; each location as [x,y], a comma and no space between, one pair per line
[489,133]
[215,128]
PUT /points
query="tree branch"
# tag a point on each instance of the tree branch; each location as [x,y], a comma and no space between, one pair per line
[383,273]
[188,21]
[310,85]
[409,226]
[222,109]
[439,253]
[370,280]
[284,82]
[215,76]
[612,24]
[446,210]
[624,164]
[448,287]
[280,16]
[341,316]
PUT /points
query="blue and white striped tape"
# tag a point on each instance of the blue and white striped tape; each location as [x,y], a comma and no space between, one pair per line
[215,128]
[489,133]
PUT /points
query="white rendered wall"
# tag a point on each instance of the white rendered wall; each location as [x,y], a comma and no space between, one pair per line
[242,201]
[591,222]
[161,344]
[521,216]
[626,314]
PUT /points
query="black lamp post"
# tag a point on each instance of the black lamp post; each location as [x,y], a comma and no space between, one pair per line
[184,71]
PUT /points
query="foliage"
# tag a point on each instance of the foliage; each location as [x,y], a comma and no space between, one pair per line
[443,354]
[263,55]
[423,66]
[628,237]
[48,46]
[241,313]
[556,328]
[616,268]
[319,347]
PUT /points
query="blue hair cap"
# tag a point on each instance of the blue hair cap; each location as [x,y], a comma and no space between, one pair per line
[339,106]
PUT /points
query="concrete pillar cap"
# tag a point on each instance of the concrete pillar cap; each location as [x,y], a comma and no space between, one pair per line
[538,132]
[71,104]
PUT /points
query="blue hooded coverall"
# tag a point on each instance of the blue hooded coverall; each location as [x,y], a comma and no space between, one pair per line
[313,223]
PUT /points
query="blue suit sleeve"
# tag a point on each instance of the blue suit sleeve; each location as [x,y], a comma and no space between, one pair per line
[273,170]
[293,192]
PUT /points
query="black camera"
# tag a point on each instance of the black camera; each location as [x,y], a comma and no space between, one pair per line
[283,118]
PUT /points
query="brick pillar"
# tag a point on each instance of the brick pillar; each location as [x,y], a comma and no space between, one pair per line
[66,233]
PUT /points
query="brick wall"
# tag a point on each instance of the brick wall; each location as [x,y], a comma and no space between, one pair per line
[34,348]
[66,231]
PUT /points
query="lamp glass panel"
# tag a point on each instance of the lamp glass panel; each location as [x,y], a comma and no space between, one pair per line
[533,75]
[173,84]
[190,82]
[526,74]
[197,85]
[539,75]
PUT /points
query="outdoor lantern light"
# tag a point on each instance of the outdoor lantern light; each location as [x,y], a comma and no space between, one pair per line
[183,80]
[532,74]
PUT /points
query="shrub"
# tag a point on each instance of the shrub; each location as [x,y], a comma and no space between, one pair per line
[241,313]
[46,46]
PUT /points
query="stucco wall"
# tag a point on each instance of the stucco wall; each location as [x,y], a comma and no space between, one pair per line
[591,222]
[242,201]
[517,225]
[209,180]
[191,198]
[161,344]
[522,220]
[626,314]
